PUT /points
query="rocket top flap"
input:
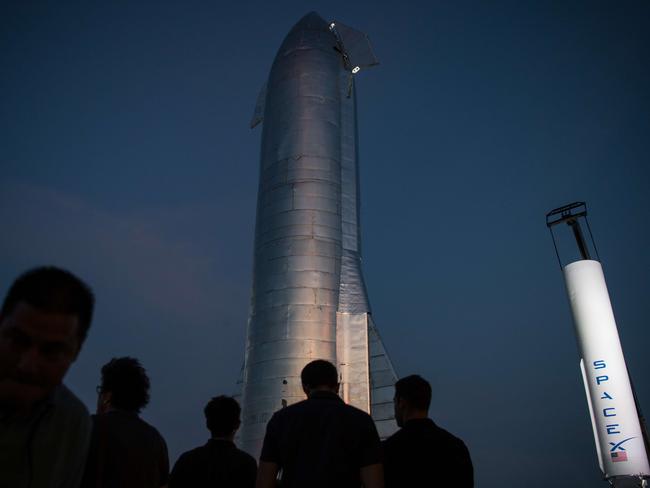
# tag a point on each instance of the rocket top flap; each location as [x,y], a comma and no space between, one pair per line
[355,46]
[258,114]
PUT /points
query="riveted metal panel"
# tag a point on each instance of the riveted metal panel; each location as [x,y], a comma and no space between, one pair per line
[300,246]
[384,411]
[276,207]
[315,188]
[297,173]
[382,381]
[293,331]
[276,193]
[322,314]
[315,263]
[312,330]
[384,395]
[382,378]
[386,428]
[379,363]
[295,217]
[317,203]
[289,349]
[301,230]
[299,279]
[289,387]
[278,368]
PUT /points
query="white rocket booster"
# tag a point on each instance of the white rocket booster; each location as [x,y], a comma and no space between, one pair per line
[618,432]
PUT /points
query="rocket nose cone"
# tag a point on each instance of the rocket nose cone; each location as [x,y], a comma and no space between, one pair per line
[309,33]
[310,21]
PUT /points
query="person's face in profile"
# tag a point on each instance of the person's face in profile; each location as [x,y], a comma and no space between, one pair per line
[36,350]
[103,400]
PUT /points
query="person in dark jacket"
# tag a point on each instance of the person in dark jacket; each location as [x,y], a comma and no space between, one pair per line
[218,463]
[125,451]
[320,442]
[421,453]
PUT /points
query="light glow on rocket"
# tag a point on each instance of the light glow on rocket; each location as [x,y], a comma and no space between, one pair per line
[618,433]
[309,298]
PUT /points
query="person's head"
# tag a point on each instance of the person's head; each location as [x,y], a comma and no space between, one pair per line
[124,386]
[319,375]
[412,398]
[222,417]
[44,320]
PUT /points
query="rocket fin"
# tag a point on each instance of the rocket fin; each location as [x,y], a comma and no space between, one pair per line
[366,373]
[382,381]
[258,114]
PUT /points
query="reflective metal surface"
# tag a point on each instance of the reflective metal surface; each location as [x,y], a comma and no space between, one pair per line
[309,299]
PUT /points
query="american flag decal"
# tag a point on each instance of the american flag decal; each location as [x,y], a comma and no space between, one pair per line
[618,457]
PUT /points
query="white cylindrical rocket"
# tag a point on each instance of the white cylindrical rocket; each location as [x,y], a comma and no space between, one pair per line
[618,432]
[615,420]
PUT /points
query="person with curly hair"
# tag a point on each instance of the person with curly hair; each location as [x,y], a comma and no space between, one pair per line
[125,451]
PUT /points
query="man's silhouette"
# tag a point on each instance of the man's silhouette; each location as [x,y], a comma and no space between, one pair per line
[218,463]
[125,451]
[421,453]
[321,441]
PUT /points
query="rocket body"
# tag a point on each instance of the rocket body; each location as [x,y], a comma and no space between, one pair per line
[615,420]
[308,296]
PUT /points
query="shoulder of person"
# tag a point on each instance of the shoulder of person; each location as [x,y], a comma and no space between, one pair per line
[67,408]
[152,430]
[357,414]
[393,439]
[157,433]
[67,425]
[451,439]
[188,457]
[66,401]
[352,410]
[289,410]
[197,451]
[247,458]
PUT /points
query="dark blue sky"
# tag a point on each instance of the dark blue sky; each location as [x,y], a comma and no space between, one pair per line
[125,156]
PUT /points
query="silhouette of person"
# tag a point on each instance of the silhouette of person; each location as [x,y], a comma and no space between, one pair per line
[125,451]
[320,441]
[44,427]
[421,453]
[218,463]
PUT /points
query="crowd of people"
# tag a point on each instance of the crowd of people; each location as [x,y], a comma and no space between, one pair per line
[48,439]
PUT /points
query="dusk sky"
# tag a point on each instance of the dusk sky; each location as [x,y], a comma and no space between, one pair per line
[126,157]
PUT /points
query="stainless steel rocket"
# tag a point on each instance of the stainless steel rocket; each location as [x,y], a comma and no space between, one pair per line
[309,299]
